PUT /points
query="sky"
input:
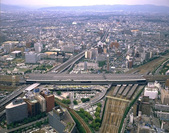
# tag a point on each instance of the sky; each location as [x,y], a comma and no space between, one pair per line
[46,3]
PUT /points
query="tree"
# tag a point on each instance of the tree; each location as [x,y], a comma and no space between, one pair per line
[59,93]
[81,110]
[98,109]
[75,102]
[97,114]
[98,120]
[86,119]
[85,100]
[66,101]
[102,63]
[90,117]
[97,128]
[99,104]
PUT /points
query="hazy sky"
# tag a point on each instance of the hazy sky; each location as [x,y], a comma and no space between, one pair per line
[83,2]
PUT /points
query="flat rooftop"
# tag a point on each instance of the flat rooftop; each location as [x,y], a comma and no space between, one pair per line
[12,105]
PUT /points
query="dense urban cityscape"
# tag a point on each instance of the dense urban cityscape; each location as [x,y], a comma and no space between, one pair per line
[84,69]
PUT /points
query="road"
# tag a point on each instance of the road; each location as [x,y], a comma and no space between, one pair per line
[93,100]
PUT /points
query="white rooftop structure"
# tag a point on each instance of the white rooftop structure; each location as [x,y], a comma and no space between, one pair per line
[33,86]
[151,90]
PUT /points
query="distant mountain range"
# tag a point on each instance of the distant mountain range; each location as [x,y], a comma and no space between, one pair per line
[98,8]
[109,8]
[4,7]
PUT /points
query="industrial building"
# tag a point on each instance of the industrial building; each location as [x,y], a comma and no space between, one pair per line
[16,111]
[61,120]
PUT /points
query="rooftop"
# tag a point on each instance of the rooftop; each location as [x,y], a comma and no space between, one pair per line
[15,103]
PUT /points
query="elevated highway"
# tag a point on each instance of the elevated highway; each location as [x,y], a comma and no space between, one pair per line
[160,78]
[69,63]
[85,79]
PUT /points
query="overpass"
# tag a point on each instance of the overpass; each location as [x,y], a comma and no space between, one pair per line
[85,79]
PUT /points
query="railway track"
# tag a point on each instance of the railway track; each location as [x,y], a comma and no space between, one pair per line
[84,125]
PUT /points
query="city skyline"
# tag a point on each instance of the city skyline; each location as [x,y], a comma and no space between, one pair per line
[43,3]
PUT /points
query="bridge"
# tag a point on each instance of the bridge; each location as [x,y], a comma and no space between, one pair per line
[85,79]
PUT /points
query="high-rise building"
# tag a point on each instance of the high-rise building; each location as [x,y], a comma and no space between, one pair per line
[31,57]
[50,100]
[16,111]
[38,47]
[88,54]
[50,103]
[42,102]
[33,107]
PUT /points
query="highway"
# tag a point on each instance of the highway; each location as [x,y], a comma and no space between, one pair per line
[85,78]
[68,63]
[73,60]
